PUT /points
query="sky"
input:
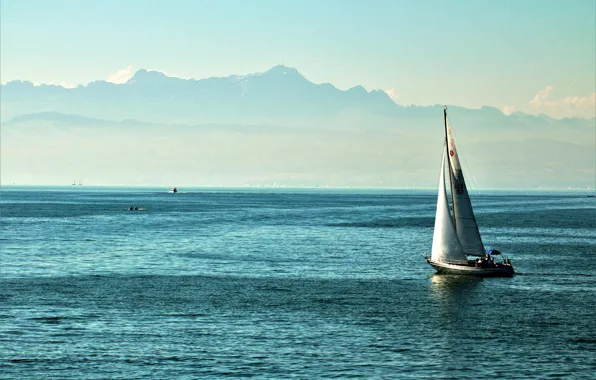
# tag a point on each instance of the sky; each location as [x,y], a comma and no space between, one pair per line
[534,56]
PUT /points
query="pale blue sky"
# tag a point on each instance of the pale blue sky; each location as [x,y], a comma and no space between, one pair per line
[529,55]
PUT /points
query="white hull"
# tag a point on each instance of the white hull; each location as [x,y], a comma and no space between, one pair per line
[503,270]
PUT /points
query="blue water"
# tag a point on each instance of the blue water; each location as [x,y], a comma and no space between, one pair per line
[288,283]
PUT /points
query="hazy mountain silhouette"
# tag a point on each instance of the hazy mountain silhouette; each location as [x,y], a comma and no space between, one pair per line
[271,127]
[274,95]
[279,96]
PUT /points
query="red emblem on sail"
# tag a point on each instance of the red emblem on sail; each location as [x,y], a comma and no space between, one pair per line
[451,153]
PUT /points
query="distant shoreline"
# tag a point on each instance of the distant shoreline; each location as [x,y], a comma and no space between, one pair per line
[322,189]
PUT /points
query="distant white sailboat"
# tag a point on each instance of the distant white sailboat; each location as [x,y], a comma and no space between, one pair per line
[456,235]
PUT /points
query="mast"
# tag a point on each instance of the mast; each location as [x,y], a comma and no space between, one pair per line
[449,166]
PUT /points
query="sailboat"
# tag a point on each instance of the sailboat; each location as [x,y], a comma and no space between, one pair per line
[457,247]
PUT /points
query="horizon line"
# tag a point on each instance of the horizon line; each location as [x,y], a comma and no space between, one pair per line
[283,187]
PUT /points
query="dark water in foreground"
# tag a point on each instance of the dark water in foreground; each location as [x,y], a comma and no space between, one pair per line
[289,284]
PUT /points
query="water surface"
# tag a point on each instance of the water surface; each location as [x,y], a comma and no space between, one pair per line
[288,283]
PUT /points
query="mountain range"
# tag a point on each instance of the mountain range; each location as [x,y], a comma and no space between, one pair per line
[276,95]
[272,127]
[280,94]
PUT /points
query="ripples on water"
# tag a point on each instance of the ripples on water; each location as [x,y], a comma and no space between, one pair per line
[288,284]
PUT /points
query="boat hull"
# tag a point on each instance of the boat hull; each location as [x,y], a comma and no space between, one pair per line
[503,270]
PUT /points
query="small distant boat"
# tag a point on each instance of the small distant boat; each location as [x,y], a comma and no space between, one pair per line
[135,209]
[456,235]
[173,190]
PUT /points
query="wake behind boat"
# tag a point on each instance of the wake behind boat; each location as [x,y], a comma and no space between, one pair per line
[457,246]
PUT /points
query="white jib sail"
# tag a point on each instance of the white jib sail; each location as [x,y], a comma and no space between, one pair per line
[446,247]
[465,220]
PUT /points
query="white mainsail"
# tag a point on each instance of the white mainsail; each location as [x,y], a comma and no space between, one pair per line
[446,246]
[465,221]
